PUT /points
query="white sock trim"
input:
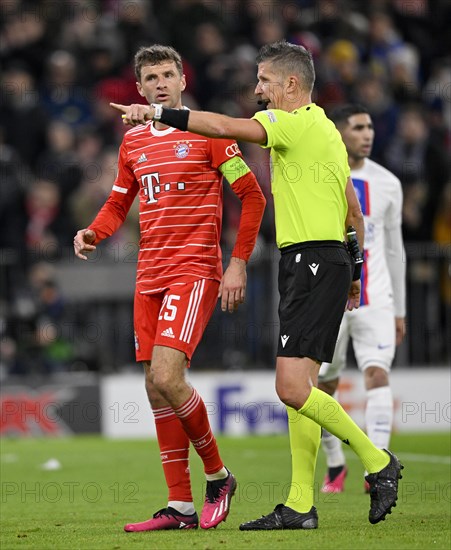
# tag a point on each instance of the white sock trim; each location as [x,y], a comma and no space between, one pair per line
[185,508]
[221,474]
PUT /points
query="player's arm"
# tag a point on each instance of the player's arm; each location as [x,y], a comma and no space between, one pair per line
[395,256]
[206,124]
[232,290]
[110,217]
[354,217]
[112,214]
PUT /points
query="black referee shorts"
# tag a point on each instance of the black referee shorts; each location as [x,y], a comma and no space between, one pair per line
[314,280]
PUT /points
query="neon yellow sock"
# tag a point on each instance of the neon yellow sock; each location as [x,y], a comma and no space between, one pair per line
[328,413]
[305,437]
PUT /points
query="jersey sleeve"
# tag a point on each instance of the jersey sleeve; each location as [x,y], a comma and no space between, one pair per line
[393,217]
[245,186]
[394,250]
[222,150]
[280,128]
[396,262]
[113,213]
[227,158]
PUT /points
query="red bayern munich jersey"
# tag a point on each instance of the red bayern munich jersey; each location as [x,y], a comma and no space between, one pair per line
[176,176]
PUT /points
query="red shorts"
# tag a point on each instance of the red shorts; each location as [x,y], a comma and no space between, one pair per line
[175,318]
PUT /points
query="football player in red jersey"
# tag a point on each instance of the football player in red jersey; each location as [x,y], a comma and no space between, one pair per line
[178,177]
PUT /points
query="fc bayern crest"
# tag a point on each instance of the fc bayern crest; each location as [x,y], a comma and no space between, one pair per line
[182,149]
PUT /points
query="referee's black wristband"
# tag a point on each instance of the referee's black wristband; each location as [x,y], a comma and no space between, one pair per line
[177,118]
[357,271]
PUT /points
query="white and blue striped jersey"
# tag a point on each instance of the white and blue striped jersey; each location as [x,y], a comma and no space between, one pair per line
[380,196]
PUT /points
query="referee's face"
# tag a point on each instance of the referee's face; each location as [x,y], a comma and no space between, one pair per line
[163,84]
[270,86]
[358,136]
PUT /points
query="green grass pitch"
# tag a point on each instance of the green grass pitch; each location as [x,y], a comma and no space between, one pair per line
[103,484]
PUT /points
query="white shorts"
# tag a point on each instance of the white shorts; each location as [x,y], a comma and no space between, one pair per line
[373,334]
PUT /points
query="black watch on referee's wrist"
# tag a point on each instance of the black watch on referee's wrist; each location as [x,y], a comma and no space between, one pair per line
[158,110]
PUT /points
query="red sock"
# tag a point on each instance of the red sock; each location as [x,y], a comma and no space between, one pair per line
[194,418]
[174,453]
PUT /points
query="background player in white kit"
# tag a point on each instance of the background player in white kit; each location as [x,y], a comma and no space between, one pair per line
[378,326]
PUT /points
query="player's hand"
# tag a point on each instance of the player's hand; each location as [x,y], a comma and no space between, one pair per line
[135,113]
[400,324]
[354,296]
[232,289]
[83,243]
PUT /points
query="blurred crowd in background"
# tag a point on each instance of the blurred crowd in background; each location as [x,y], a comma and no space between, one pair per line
[62,62]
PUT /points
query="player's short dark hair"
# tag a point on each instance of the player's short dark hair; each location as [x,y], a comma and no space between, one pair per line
[155,55]
[342,114]
[290,59]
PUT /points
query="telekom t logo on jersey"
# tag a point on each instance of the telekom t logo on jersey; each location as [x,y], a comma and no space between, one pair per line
[151,186]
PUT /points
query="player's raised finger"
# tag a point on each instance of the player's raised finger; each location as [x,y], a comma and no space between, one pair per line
[119,107]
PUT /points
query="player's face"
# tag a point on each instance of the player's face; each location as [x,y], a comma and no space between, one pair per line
[358,136]
[270,86]
[162,84]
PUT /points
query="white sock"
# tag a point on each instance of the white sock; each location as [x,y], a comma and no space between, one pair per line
[185,508]
[379,416]
[332,447]
[221,474]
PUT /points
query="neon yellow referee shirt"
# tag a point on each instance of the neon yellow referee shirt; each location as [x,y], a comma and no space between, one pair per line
[309,171]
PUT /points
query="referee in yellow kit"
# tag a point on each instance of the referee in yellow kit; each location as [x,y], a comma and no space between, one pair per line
[314,202]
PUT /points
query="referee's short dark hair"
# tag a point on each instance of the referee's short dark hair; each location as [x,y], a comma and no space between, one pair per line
[290,58]
[341,114]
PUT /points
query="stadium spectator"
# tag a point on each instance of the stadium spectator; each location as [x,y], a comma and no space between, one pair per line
[332,20]
[420,163]
[182,21]
[384,42]
[373,93]
[14,181]
[49,228]
[53,330]
[23,121]
[59,161]
[339,74]
[62,97]
[24,38]
[179,276]
[404,74]
[442,236]
[210,62]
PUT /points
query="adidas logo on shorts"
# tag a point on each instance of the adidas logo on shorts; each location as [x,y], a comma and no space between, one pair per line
[168,332]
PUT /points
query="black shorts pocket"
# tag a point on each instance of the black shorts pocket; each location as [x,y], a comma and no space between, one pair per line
[335,255]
